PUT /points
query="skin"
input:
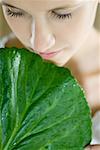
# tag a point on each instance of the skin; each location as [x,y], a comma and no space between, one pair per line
[41,33]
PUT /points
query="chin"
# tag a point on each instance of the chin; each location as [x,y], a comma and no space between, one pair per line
[61,64]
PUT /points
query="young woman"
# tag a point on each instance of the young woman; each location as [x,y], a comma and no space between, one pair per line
[63,32]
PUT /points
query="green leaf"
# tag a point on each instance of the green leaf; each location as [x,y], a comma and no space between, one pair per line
[42,107]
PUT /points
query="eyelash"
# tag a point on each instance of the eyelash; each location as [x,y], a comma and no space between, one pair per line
[61,16]
[14,14]
[53,14]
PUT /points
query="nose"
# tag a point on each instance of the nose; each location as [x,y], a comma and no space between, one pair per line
[41,38]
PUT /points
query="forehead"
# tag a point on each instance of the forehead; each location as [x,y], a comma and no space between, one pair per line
[42,5]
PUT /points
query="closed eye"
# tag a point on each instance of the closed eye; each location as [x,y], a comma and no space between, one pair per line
[14,14]
[52,14]
[61,16]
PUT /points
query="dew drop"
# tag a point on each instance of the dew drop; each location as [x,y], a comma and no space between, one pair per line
[2,118]
[14,144]
[74,85]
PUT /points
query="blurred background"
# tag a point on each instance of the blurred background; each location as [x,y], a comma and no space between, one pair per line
[4,29]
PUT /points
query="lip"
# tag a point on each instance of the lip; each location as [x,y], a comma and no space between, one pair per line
[46,55]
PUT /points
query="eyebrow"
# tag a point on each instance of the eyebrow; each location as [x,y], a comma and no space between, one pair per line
[5,4]
[63,7]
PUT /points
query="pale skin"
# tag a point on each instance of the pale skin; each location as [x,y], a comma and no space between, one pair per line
[41,31]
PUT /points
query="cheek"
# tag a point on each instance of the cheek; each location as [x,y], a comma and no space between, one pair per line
[82,24]
[74,31]
[20,27]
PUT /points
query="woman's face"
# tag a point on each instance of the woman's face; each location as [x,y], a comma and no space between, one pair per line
[55,29]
